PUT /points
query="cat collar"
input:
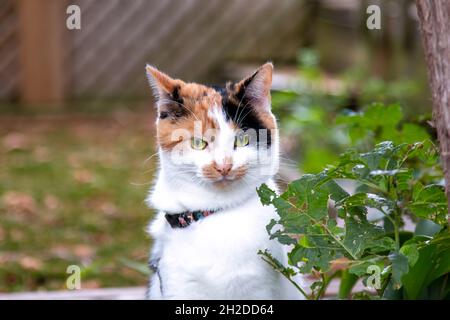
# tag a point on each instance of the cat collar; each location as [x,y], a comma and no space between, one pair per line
[184,219]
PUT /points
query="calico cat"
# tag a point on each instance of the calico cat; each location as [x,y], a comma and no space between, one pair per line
[216,145]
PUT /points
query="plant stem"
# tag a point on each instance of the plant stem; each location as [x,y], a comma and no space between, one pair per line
[287,277]
[396,234]
[325,282]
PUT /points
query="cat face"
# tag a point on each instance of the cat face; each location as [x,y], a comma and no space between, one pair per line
[217,137]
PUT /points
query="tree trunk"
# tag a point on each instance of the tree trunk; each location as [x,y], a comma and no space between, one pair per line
[434,16]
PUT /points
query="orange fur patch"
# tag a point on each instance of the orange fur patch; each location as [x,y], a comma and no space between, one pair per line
[198,100]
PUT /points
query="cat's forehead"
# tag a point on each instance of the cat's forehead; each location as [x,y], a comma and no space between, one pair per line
[198,93]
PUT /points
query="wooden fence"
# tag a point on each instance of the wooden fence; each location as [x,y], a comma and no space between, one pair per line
[40,60]
[9,50]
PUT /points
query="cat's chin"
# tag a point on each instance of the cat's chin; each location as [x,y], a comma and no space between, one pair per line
[224,182]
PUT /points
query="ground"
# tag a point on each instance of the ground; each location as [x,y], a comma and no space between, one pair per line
[72,190]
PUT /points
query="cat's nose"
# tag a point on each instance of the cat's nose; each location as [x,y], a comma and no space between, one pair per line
[223,168]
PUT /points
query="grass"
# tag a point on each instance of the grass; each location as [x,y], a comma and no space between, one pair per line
[71,192]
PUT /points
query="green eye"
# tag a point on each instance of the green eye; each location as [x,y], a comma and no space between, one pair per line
[241,140]
[198,144]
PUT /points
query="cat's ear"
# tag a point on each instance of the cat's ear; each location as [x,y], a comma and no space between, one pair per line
[163,86]
[256,88]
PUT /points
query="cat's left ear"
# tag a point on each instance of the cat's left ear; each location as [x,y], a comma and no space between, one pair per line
[256,88]
[162,85]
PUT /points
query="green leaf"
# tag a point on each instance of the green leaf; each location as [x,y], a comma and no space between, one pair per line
[270,226]
[266,195]
[412,132]
[378,123]
[392,291]
[410,251]
[430,202]
[399,268]
[426,228]
[367,200]
[308,258]
[433,262]
[404,180]
[305,243]
[348,281]
[360,268]
[360,235]
[383,116]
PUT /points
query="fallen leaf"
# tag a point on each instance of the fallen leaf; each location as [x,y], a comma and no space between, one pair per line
[90,284]
[17,235]
[41,154]
[15,141]
[30,263]
[51,202]
[83,176]
[109,209]
[83,251]
[74,160]
[19,203]
[61,252]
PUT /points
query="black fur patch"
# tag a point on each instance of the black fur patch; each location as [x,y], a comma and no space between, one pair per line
[175,95]
[242,113]
[240,94]
[173,109]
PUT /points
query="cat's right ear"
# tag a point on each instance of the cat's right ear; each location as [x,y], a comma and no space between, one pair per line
[163,86]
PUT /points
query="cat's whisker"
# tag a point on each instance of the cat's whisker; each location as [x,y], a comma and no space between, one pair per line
[239,104]
[149,158]
[288,165]
[139,184]
[287,159]
[239,120]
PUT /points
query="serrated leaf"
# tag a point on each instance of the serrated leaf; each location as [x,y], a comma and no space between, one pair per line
[266,195]
[360,235]
[305,242]
[270,226]
[308,258]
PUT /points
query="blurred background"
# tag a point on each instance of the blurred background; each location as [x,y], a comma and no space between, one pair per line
[76,114]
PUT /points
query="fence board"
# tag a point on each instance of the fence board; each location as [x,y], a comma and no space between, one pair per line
[192,39]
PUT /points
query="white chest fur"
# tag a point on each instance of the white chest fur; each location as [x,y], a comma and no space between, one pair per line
[217,257]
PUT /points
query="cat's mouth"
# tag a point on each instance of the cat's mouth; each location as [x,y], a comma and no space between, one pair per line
[220,178]
[224,181]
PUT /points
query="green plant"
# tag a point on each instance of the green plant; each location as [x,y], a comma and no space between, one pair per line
[364,230]
[385,183]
